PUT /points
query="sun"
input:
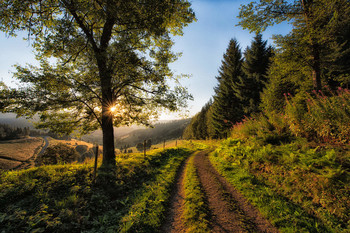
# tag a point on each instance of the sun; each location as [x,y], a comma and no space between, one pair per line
[113,109]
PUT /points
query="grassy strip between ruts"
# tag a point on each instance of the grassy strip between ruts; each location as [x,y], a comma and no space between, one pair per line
[147,212]
[277,190]
[196,212]
[62,198]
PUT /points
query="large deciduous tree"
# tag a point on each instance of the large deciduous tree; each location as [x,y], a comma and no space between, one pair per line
[103,63]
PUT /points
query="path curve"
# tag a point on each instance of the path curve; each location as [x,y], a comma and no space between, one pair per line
[31,161]
[45,146]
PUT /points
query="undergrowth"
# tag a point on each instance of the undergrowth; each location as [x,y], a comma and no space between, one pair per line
[195,213]
[317,117]
[299,189]
[63,198]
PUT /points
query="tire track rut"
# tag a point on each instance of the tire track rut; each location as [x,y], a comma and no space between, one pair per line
[229,210]
[173,221]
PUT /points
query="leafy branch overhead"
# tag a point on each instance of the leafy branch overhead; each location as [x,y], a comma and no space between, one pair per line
[123,46]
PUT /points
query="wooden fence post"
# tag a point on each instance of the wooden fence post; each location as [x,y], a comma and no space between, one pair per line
[163,144]
[144,148]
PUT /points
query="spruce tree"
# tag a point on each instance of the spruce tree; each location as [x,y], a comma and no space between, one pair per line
[226,108]
[253,78]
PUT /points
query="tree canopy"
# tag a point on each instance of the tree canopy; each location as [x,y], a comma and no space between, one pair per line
[319,35]
[103,63]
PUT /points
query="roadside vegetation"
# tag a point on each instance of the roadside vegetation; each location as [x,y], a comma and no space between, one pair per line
[294,166]
[61,198]
[284,115]
[298,188]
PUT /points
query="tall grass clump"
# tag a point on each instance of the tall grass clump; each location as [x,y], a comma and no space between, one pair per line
[267,128]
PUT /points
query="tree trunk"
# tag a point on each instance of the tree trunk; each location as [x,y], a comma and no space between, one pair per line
[108,139]
[108,161]
[316,69]
[315,48]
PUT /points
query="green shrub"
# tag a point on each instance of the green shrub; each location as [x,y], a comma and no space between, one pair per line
[58,154]
[269,128]
[317,117]
[81,149]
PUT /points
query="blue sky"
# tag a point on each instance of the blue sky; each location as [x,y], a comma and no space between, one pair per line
[203,44]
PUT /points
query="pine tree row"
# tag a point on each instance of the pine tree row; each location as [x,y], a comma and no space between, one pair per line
[240,82]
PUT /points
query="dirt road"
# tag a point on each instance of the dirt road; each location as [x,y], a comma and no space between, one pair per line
[229,210]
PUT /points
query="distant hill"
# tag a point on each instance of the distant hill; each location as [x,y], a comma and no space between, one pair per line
[10,119]
[125,136]
[161,131]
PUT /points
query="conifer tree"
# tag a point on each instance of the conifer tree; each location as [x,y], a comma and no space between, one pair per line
[253,78]
[226,108]
[198,127]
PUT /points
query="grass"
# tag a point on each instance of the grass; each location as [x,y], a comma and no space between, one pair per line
[63,198]
[149,203]
[196,213]
[299,189]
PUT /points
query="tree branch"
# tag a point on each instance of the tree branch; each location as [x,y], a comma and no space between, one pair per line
[80,22]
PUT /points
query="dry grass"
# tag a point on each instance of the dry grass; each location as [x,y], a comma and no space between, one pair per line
[72,142]
[169,144]
[8,164]
[18,150]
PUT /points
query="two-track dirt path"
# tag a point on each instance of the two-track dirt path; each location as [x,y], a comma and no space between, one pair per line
[229,210]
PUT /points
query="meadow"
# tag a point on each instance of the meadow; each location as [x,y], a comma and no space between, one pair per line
[14,152]
[60,198]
